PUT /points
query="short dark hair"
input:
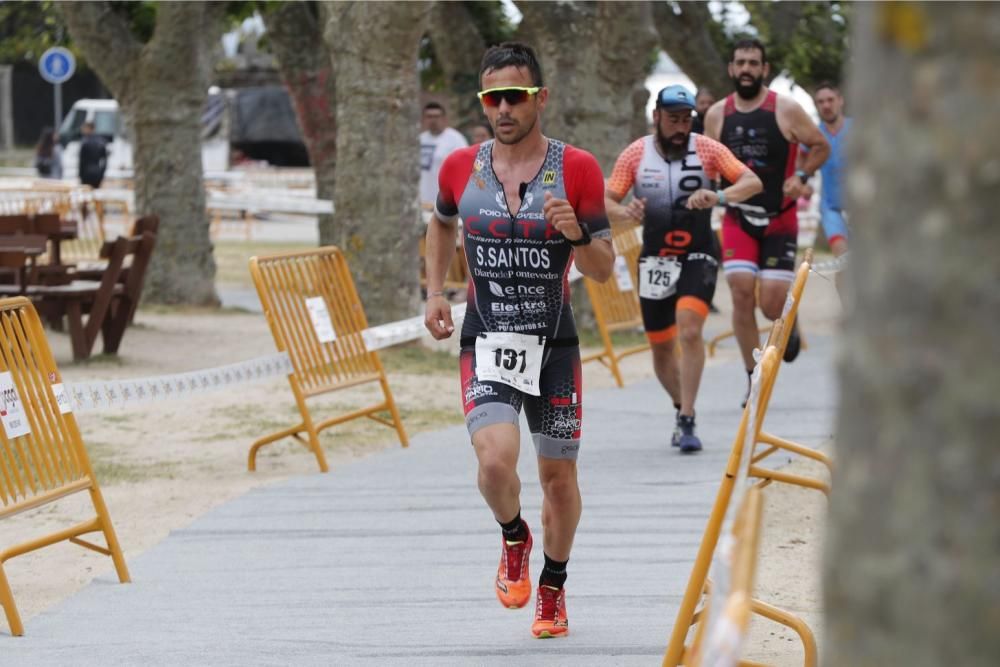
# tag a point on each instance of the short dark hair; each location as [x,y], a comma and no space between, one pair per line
[747,43]
[511,54]
[827,84]
[435,105]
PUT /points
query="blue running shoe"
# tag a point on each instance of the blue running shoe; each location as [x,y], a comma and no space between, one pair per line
[688,441]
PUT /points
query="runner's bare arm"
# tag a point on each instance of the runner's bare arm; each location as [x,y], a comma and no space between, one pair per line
[799,128]
[718,160]
[440,250]
[595,260]
[618,185]
[619,214]
[713,120]
[800,160]
[746,186]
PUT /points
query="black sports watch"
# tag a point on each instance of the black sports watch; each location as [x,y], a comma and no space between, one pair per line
[585,239]
[803,176]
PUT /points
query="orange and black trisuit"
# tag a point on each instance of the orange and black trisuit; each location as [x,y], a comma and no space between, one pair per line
[678,263]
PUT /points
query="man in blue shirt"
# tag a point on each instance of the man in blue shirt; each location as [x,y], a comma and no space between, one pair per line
[835,127]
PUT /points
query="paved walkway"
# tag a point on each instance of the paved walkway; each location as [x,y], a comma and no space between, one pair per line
[390,560]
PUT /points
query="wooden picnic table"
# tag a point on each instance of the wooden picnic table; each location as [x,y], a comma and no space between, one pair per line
[18,252]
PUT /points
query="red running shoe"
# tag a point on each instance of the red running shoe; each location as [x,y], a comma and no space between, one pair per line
[513,585]
[550,613]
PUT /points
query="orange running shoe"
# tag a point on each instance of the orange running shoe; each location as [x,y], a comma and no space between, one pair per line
[550,613]
[513,583]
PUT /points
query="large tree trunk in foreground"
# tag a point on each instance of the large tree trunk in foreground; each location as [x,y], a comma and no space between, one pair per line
[375,46]
[592,55]
[161,88]
[913,555]
[296,33]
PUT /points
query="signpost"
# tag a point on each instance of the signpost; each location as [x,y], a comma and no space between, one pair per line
[56,66]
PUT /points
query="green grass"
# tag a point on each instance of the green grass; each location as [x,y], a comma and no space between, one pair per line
[183,309]
[620,339]
[232,258]
[100,360]
[109,468]
[119,420]
[417,421]
[415,359]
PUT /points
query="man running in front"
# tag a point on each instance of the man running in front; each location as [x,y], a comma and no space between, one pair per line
[672,174]
[530,206]
[760,236]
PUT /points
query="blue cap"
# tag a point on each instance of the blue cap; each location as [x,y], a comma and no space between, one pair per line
[675,96]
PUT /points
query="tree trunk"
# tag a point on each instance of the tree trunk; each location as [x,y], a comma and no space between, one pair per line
[161,88]
[296,33]
[375,46]
[685,34]
[641,119]
[590,104]
[459,49]
[913,554]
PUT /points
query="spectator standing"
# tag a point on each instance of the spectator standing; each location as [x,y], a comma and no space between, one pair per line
[93,157]
[48,155]
[437,142]
[703,101]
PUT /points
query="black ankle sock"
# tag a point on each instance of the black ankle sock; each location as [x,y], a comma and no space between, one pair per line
[677,407]
[553,574]
[514,530]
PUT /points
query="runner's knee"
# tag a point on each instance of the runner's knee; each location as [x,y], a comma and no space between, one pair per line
[559,484]
[495,469]
[772,302]
[690,333]
[497,449]
[743,296]
[691,315]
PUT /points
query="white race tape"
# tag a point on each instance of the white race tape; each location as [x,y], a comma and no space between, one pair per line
[120,393]
[86,396]
[832,266]
[394,333]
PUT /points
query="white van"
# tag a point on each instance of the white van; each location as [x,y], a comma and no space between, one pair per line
[110,124]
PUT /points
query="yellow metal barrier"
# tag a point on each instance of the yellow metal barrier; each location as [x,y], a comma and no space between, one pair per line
[457,276]
[90,236]
[735,471]
[775,443]
[737,468]
[714,342]
[316,316]
[720,639]
[617,308]
[741,465]
[42,457]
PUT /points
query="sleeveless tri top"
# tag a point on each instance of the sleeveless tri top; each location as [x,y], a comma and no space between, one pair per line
[756,140]
[519,264]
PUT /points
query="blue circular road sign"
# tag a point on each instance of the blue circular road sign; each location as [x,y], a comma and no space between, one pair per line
[57,65]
